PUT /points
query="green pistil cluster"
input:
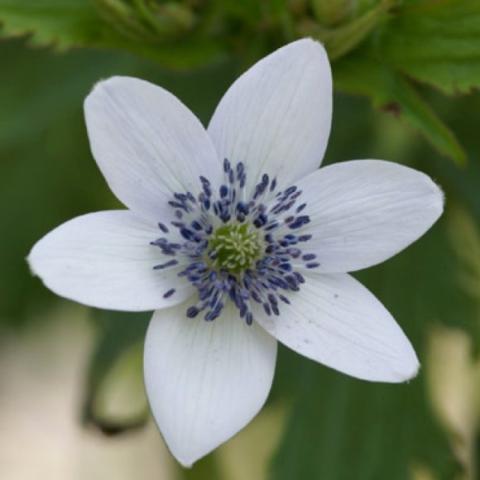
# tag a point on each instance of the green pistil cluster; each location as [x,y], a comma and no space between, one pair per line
[234,247]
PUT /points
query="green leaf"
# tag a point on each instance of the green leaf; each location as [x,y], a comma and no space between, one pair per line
[65,24]
[343,39]
[436,42]
[464,236]
[393,93]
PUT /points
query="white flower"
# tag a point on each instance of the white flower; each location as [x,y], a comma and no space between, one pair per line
[236,226]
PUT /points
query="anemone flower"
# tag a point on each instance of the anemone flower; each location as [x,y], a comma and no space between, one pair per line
[236,240]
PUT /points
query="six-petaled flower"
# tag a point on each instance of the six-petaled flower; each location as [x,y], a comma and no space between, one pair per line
[236,240]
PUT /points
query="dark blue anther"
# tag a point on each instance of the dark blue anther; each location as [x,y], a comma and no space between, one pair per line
[292,282]
[169,293]
[187,234]
[272,299]
[299,277]
[299,222]
[240,169]
[163,227]
[261,220]
[272,226]
[294,252]
[192,312]
[196,225]
[256,296]
[170,263]
[223,191]
[268,238]
[304,238]
[180,196]
[242,207]
[296,195]
[284,299]
[301,207]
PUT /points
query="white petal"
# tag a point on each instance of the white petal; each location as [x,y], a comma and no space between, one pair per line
[105,260]
[365,211]
[336,321]
[147,143]
[276,117]
[205,380]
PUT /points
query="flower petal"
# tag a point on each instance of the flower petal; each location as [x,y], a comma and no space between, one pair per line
[276,117]
[105,260]
[364,211]
[147,143]
[205,380]
[336,321]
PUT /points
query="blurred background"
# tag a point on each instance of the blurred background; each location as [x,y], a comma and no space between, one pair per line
[406,75]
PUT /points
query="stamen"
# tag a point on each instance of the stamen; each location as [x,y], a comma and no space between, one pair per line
[169,293]
[171,263]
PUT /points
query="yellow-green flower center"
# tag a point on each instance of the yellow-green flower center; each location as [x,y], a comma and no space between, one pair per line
[235,247]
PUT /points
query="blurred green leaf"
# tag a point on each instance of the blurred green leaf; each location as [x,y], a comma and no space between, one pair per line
[206,468]
[436,42]
[332,12]
[63,23]
[465,239]
[115,400]
[339,426]
[78,23]
[391,92]
[341,40]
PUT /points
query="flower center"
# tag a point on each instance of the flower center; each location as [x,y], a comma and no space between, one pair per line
[238,248]
[234,248]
